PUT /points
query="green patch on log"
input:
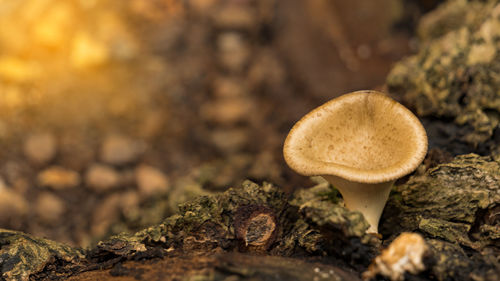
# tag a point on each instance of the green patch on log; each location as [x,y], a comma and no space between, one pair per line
[22,255]
[449,201]
[453,205]
[455,74]
[310,223]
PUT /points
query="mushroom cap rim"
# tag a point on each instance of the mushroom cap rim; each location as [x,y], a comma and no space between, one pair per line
[322,168]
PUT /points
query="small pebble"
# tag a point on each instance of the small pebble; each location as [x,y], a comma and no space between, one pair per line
[233,51]
[151,181]
[227,111]
[229,139]
[40,148]
[120,150]
[129,204]
[225,87]
[12,208]
[49,208]
[58,178]
[101,177]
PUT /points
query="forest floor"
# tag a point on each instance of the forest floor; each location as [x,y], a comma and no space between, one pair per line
[106,107]
[112,113]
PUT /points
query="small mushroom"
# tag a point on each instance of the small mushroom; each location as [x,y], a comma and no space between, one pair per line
[361,142]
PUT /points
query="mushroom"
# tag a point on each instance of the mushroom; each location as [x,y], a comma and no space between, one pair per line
[361,143]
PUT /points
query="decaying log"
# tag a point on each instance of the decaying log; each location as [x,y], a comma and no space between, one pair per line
[453,205]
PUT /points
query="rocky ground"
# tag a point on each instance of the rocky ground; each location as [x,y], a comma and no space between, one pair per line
[112,113]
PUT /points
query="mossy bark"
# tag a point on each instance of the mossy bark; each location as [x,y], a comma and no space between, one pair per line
[455,206]
[22,255]
[452,82]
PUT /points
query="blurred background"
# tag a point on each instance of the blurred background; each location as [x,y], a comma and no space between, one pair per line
[112,112]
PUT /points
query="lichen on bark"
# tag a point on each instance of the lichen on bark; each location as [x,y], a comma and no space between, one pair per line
[22,255]
[452,15]
[342,232]
[211,221]
[454,77]
[455,205]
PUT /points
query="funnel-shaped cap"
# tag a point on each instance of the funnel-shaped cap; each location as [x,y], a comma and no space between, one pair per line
[363,136]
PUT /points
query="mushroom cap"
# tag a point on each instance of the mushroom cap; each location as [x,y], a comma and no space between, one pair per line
[363,136]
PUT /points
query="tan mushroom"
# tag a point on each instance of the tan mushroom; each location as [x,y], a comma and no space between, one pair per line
[361,143]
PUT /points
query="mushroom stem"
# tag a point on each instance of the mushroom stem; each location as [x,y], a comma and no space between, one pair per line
[367,198]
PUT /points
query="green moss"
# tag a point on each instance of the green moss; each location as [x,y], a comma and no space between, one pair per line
[22,255]
[450,204]
[455,74]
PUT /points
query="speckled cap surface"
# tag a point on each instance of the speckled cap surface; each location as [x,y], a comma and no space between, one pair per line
[364,136]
